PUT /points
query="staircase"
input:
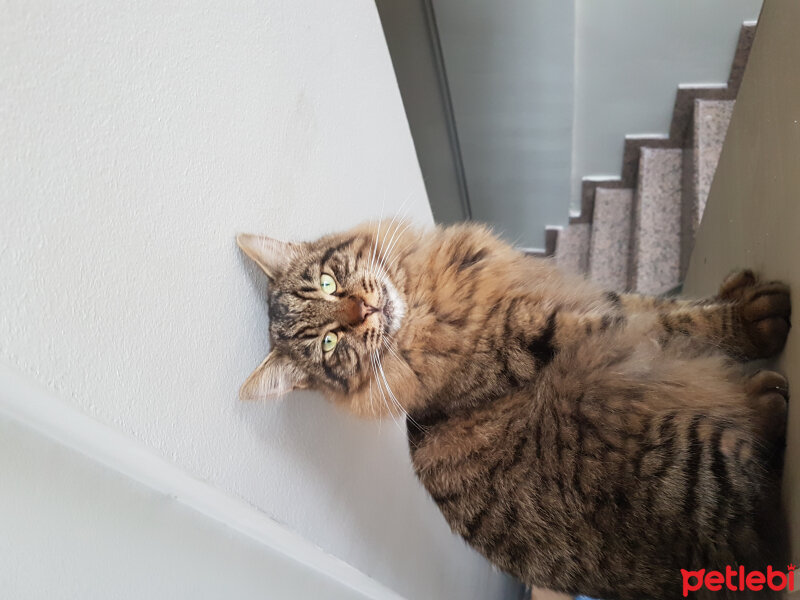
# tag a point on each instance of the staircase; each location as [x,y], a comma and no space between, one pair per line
[636,232]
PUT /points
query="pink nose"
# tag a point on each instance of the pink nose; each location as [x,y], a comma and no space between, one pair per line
[366,309]
[355,310]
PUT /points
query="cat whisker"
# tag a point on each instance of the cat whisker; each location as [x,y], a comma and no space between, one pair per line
[374,248]
[401,226]
[397,255]
[399,406]
[396,402]
[400,218]
[374,358]
[388,346]
[377,236]
[395,221]
[371,405]
[385,241]
[390,395]
[386,236]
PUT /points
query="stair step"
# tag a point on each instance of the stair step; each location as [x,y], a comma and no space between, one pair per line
[657,222]
[611,235]
[662,228]
[711,120]
[709,127]
[572,250]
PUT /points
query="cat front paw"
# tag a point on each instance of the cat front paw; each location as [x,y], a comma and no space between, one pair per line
[735,284]
[764,311]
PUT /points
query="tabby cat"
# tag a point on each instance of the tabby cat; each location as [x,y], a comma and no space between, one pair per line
[586,441]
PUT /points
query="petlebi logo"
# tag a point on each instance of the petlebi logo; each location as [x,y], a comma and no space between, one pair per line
[738,580]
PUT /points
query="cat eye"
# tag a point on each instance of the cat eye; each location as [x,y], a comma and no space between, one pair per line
[329,341]
[328,285]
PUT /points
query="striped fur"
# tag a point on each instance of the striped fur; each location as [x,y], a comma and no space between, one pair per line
[582,440]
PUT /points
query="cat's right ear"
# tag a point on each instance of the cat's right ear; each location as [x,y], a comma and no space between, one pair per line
[273,378]
[273,256]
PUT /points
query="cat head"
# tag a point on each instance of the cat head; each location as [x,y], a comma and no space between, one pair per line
[334,307]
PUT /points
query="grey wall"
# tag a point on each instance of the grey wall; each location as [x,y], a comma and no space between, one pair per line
[412,40]
[510,67]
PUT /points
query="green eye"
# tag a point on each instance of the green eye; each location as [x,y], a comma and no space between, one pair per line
[328,285]
[329,341]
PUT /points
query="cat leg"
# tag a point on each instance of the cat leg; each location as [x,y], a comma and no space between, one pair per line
[748,319]
[767,395]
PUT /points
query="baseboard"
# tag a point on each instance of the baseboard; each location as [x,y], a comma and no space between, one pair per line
[27,403]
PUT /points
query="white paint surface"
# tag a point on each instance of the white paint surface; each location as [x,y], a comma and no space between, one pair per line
[99,536]
[110,519]
[138,139]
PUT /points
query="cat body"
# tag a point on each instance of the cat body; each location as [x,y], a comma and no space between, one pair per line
[582,440]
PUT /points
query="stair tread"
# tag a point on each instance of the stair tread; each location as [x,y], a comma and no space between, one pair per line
[663,224]
[572,251]
[711,120]
[610,238]
[657,229]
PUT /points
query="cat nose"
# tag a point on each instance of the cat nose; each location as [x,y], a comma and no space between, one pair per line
[356,310]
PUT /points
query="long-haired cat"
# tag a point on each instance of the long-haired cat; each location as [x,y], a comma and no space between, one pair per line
[582,440]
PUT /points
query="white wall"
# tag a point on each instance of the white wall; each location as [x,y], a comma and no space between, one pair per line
[630,57]
[139,137]
[127,525]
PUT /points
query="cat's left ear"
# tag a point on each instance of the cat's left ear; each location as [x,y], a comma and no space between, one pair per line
[273,256]
[272,379]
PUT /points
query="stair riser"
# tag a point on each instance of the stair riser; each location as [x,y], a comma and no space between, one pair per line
[671,176]
[657,222]
[610,240]
[710,124]
[572,252]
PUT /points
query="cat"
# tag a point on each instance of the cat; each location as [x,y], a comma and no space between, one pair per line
[582,440]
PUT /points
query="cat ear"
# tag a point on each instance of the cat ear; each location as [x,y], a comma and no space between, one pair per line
[273,378]
[273,256]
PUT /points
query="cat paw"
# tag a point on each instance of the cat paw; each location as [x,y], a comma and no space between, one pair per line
[735,284]
[763,309]
[767,382]
[768,394]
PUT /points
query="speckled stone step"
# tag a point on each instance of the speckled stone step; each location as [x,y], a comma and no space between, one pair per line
[611,235]
[572,250]
[711,120]
[709,127]
[655,267]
